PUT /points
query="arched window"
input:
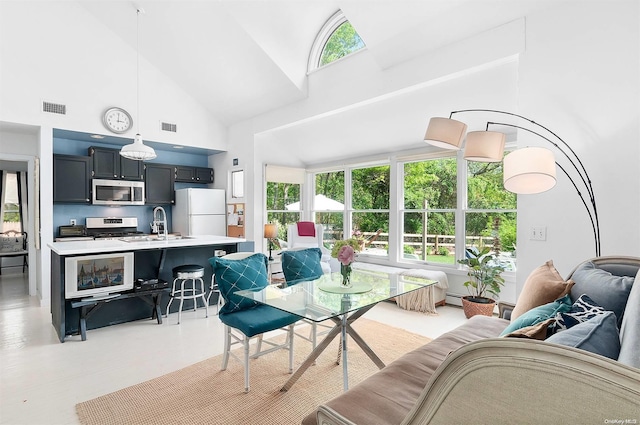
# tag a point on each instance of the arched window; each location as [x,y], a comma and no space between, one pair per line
[336,39]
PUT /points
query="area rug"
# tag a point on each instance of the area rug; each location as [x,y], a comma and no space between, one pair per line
[203,394]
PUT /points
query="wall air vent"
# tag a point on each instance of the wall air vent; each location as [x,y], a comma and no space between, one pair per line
[169,127]
[54,108]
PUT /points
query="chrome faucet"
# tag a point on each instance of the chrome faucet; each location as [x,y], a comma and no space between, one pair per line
[159,222]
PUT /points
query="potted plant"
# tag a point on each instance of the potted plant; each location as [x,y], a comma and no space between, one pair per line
[484,271]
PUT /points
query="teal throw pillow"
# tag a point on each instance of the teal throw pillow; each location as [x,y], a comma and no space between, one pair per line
[597,335]
[235,275]
[301,265]
[539,314]
[608,290]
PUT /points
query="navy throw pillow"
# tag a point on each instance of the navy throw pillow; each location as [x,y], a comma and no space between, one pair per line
[582,310]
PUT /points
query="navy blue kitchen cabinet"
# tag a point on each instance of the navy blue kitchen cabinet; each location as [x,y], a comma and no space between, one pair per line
[109,164]
[71,179]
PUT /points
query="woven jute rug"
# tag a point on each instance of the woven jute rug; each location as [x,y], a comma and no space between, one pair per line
[203,394]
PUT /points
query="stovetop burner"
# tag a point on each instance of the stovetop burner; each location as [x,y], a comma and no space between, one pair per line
[105,228]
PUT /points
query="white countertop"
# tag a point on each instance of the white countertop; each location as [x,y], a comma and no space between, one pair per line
[99,246]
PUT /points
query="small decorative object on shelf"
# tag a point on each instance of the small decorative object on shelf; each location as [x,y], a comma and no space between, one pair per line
[346,256]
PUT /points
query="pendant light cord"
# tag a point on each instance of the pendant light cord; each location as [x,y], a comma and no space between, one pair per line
[138,67]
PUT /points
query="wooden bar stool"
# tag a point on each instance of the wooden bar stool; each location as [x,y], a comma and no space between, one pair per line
[181,290]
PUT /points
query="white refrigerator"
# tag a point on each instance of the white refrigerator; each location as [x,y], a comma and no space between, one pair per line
[199,212]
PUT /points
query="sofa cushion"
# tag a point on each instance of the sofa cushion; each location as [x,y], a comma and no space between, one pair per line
[539,314]
[630,329]
[542,286]
[235,275]
[304,264]
[390,393]
[583,309]
[598,335]
[606,289]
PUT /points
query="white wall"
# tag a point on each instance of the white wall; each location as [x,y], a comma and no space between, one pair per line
[578,75]
[47,56]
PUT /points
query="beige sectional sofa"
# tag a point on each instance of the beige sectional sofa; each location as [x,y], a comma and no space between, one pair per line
[471,375]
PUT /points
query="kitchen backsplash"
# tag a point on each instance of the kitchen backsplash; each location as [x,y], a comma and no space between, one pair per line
[63,213]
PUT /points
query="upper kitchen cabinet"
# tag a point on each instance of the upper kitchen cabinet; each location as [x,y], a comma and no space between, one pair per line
[109,164]
[186,174]
[71,179]
[204,175]
[159,179]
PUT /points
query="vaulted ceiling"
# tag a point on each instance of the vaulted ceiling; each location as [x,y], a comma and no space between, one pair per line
[245,58]
[242,58]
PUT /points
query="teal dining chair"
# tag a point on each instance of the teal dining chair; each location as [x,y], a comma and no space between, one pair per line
[300,265]
[243,318]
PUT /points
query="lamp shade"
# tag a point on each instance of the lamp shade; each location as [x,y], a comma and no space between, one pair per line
[270,231]
[529,170]
[138,150]
[445,133]
[484,146]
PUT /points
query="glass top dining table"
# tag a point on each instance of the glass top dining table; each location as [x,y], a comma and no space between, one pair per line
[326,299]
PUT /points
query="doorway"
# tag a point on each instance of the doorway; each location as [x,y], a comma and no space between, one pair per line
[17,197]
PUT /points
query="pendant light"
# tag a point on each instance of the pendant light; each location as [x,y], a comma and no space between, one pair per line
[138,150]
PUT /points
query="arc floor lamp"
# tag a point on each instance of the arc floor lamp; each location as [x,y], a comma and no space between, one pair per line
[527,170]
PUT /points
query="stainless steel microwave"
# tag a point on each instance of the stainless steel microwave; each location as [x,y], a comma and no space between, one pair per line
[117,192]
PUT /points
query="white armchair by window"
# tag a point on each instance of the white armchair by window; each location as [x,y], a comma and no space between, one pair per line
[297,241]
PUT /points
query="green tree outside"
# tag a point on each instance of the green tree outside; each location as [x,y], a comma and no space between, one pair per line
[343,41]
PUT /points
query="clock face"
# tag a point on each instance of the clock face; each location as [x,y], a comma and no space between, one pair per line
[117,120]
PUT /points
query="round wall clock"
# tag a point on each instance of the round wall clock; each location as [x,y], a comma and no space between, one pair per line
[117,120]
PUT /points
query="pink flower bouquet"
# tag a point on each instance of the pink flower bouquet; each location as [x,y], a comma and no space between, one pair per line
[346,255]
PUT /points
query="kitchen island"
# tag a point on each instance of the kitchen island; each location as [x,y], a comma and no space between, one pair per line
[153,259]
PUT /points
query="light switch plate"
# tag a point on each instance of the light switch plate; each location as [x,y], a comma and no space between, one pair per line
[538,233]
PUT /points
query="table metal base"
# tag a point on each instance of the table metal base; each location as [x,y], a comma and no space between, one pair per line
[342,327]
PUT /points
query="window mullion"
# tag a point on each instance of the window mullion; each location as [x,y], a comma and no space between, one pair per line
[461,205]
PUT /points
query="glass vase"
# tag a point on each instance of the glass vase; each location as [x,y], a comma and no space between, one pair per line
[345,271]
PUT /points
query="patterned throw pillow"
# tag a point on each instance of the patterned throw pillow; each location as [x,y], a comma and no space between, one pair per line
[303,264]
[583,309]
[235,275]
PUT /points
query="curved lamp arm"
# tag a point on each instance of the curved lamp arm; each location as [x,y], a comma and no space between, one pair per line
[593,216]
[579,167]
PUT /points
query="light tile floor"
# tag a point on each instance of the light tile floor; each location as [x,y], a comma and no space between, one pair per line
[41,380]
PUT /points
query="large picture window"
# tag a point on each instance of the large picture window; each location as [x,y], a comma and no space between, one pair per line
[370,191]
[490,217]
[430,201]
[444,205]
[329,206]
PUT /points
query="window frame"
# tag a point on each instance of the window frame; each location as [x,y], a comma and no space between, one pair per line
[327,30]
[397,209]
